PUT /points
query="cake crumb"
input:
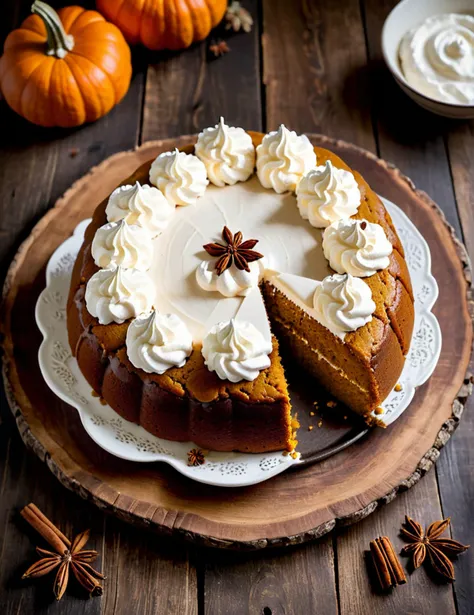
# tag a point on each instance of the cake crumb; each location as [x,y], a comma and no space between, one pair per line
[286,453]
[320,424]
[94,394]
[103,402]
[331,404]
[398,387]
[379,410]
[294,455]
[311,413]
[310,428]
[345,417]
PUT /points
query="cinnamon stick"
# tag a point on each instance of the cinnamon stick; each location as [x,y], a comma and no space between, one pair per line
[387,565]
[48,530]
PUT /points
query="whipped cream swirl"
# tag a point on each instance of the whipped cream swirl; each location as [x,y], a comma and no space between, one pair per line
[145,206]
[236,350]
[180,177]
[343,303]
[283,158]
[115,295]
[119,243]
[327,194]
[233,282]
[357,247]
[227,152]
[437,58]
[157,342]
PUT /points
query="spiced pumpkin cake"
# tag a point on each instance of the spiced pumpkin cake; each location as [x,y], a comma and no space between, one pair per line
[197,267]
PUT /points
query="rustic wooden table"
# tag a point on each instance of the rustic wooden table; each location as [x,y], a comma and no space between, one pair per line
[317,67]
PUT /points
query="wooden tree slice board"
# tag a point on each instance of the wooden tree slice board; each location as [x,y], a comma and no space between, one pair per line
[294,506]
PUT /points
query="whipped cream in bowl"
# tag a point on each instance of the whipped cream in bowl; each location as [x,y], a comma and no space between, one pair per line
[428,47]
[437,58]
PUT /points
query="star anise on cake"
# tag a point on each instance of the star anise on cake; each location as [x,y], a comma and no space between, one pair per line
[438,549]
[235,251]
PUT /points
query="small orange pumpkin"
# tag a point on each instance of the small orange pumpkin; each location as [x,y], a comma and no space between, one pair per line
[164,24]
[66,68]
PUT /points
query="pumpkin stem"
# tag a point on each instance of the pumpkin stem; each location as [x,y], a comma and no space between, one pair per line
[58,43]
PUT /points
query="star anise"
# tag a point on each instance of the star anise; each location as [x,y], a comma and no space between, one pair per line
[430,543]
[219,48]
[235,251]
[65,557]
[196,457]
[237,18]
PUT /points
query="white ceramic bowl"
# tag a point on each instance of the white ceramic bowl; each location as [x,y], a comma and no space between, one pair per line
[405,16]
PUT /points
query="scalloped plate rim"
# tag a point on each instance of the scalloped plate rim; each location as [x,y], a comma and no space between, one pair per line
[227,480]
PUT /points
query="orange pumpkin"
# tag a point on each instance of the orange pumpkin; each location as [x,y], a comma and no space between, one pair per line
[66,68]
[164,24]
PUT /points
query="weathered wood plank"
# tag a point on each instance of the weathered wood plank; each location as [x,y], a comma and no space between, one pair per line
[24,479]
[187,92]
[407,135]
[420,594]
[37,165]
[290,582]
[456,478]
[146,574]
[314,67]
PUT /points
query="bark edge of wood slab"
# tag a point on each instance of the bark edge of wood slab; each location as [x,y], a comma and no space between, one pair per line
[312,501]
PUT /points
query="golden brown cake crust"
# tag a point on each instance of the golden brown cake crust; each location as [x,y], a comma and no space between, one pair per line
[191,403]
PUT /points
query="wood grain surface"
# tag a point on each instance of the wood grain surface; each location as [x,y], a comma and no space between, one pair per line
[317,66]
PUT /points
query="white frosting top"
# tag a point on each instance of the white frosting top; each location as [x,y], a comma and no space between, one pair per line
[327,194]
[343,303]
[119,243]
[142,205]
[233,282]
[236,350]
[180,177]
[115,295]
[437,58]
[283,158]
[156,342]
[227,152]
[357,247]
